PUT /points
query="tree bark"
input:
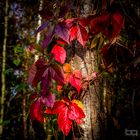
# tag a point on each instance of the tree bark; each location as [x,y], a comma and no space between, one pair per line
[94,99]
[3,88]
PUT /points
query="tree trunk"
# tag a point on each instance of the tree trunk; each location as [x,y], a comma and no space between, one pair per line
[94,99]
[3,88]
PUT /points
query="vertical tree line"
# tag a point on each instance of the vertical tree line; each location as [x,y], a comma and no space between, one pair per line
[3,79]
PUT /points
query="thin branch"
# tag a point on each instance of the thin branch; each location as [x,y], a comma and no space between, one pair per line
[126,14]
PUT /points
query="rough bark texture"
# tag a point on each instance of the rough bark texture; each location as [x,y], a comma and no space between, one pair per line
[93,100]
[86,61]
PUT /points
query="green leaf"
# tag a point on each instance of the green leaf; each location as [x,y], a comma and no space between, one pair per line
[8,71]
[22,87]
[18,49]
[94,42]
[17,62]
[6,122]
[97,41]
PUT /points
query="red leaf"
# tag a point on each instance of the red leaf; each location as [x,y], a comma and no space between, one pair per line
[36,71]
[61,41]
[75,82]
[57,73]
[117,17]
[41,66]
[52,72]
[105,49]
[45,81]
[110,24]
[117,23]
[57,108]
[49,111]
[67,112]
[64,122]
[75,79]
[31,74]
[82,35]
[99,23]
[36,112]
[69,22]
[62,31]
[59,54]
[73,33]
[40,63]
[48,100]
[75,112]
[83,22]
[33,96]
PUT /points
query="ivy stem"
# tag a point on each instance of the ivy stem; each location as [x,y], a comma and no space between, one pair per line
[73,132]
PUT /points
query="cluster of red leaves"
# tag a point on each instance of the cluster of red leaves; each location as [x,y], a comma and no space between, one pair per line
[68,30]
[72,76]
[109,24]
[42,71]
[36,109]
[67,111]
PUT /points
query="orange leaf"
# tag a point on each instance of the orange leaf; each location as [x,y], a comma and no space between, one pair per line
[67,68]
[59,88]
[77,74]
[67,77]
[79,103]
